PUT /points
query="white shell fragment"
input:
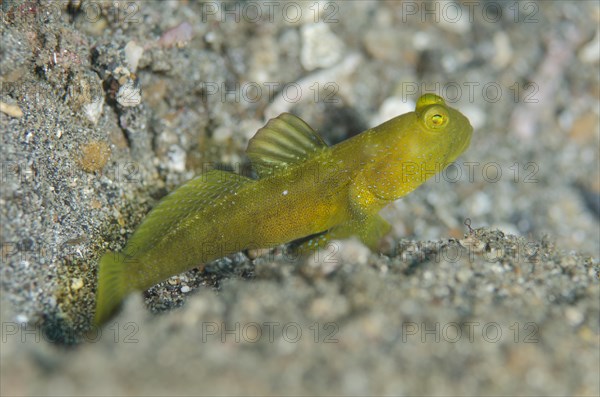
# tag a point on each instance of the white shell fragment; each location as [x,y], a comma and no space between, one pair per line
[129,94]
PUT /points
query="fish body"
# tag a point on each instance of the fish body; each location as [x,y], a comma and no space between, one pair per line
[305,188]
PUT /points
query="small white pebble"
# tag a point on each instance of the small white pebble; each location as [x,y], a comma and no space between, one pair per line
[464,275]
[133,53]
[129,94]
[11,110]
[210,37]
[454,21]
[390,108]
[177,158]
[21,318]
[93,110]
[285,192]
[185,289]
[503,52]
[76,284]
[574,316]
[481,204]
[321,48]
[421,41]
[178,36]
[221,134]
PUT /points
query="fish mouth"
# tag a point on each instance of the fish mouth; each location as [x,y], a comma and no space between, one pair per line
[467,140]
[465,145]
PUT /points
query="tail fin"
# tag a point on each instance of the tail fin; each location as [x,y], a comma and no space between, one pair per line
[111,286]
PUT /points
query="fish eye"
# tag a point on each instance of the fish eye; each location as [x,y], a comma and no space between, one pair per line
[436,117]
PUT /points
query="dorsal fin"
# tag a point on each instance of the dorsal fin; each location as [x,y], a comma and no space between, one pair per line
[185,202]
[284,140]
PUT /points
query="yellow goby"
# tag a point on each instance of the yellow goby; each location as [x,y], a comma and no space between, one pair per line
[305,188]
